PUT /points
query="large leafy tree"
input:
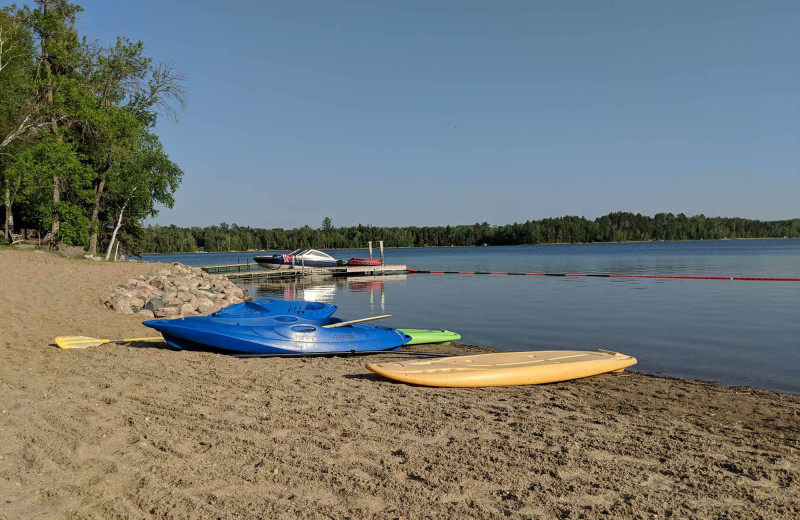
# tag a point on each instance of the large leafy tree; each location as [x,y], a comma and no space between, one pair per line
[144,178]
[52,23]
[128,92]
[19,107]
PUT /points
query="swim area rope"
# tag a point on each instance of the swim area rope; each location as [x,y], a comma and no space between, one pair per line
[647,276]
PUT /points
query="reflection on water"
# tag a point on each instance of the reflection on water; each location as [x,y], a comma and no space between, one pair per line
[325,290]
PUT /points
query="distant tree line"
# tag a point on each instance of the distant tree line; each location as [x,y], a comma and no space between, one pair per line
[80,162]
[614,227]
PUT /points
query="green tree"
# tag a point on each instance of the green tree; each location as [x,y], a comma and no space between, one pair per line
[127,93]
[19,108]
[53,24]
[147,178]
[36,163]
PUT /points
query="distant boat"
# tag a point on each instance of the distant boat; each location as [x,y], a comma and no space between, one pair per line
[297,258]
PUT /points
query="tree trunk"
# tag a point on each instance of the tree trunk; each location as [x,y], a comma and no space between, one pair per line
[54,229]
[114,234]
[8,228]
[98,195]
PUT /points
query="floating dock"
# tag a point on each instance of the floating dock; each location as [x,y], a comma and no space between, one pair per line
[253,272]
[232,268]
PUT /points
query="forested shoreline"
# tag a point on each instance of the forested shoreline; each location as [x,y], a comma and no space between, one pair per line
[614,227]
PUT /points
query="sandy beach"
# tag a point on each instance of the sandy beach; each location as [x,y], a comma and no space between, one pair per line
[143,431]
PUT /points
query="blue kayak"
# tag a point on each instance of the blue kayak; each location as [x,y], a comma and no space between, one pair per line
[255,312]
[243,329]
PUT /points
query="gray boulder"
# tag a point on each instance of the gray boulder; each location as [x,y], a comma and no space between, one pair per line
[153,304]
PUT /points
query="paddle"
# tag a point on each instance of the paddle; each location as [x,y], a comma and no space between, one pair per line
[86,342]
[360,320]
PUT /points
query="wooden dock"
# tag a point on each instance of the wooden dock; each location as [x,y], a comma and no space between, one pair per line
[232,268]
[253,272]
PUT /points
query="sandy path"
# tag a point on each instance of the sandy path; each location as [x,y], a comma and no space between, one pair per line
[147,432]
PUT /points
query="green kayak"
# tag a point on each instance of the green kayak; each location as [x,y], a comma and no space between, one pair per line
[420,336]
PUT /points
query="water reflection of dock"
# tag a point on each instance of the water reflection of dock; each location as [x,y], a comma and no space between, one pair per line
[324,290]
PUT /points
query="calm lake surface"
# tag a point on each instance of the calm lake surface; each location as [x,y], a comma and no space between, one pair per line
[732,332]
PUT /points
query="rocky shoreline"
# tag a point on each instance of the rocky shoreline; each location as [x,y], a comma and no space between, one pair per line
[175,292]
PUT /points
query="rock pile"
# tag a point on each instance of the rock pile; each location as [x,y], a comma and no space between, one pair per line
[175,292]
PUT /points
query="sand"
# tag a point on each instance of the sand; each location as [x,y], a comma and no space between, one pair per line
[142,431]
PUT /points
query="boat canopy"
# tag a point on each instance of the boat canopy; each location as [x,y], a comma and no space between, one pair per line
[311,252]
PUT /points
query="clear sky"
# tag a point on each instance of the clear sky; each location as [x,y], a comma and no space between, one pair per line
[455,112]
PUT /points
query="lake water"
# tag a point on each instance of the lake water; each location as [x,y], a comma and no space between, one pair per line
[732,332]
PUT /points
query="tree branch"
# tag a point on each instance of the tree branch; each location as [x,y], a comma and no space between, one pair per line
[165,91]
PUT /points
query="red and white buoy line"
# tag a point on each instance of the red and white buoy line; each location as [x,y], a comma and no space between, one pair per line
[647,276]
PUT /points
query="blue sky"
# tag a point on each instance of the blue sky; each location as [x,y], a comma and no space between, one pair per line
[445,112]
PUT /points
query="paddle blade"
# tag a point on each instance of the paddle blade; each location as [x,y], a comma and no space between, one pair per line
[79,342]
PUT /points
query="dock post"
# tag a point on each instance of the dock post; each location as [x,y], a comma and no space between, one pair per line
[380,244]
[370,248]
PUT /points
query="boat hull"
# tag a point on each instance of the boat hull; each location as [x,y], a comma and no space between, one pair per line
[269,263]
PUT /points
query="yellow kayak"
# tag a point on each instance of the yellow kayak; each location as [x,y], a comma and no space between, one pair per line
[504,368]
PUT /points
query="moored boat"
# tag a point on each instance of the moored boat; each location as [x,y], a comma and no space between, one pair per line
[363,261]
[297,258]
